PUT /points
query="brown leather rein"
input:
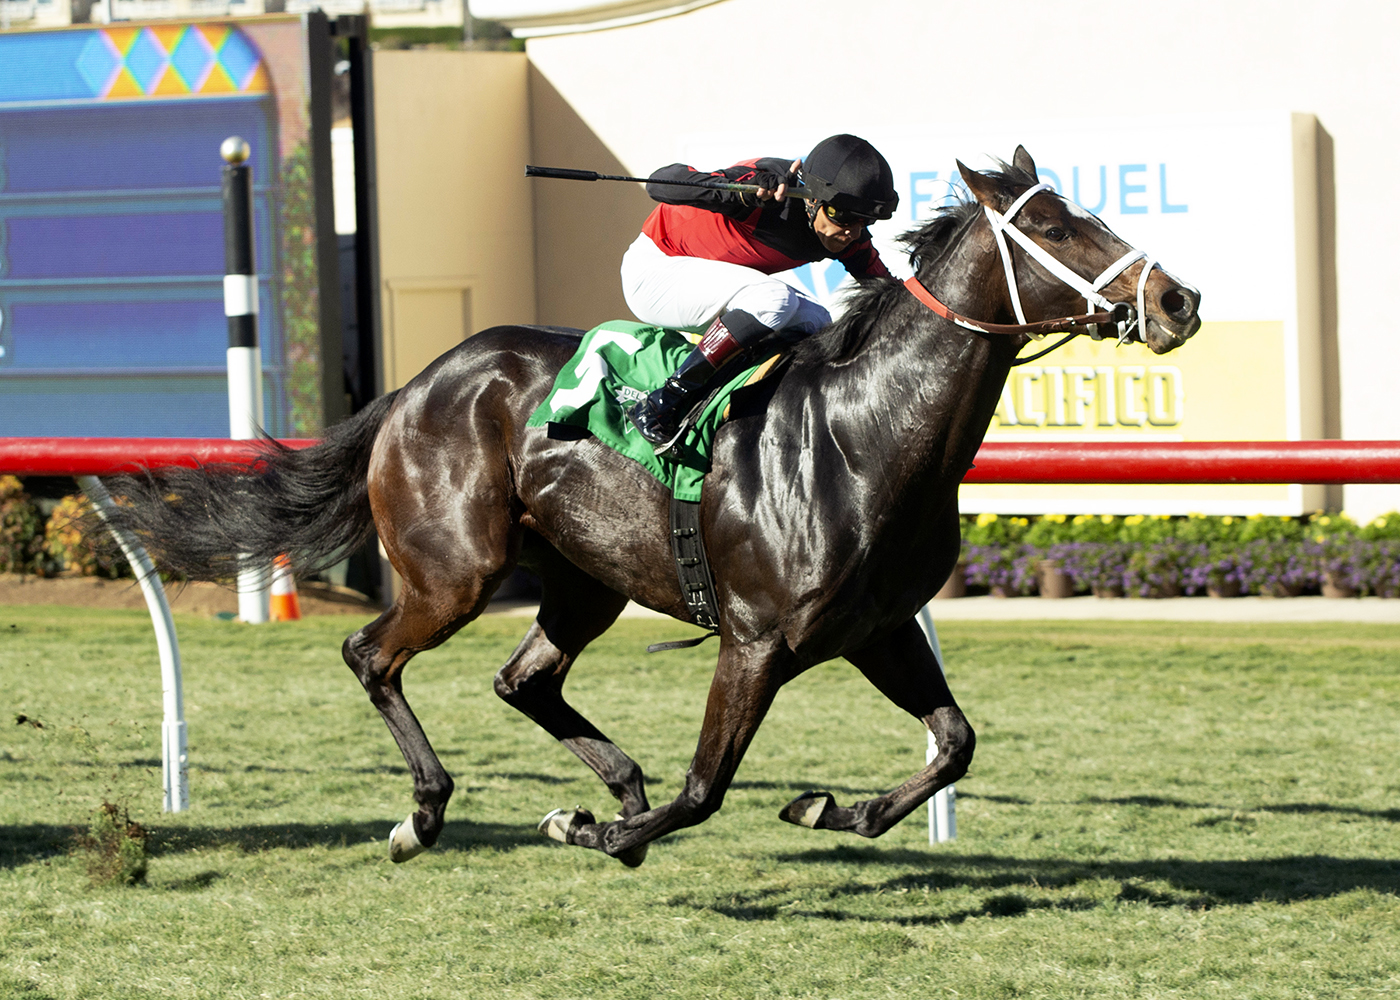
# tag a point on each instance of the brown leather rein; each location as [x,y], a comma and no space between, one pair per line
[1089,323]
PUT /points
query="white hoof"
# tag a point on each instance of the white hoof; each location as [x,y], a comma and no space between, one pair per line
[558,824]
[807,809]
[403,842]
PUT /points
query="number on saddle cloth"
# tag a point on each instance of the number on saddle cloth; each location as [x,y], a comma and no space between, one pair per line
[617,364]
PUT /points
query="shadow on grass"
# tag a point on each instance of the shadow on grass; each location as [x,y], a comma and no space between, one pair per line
[1176,882]
[23,844]
[1296,808]
[1003,905]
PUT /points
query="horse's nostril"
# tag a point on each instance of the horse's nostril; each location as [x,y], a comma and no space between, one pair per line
[1176,303]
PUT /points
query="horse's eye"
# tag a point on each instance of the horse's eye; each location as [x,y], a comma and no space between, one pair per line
[1056,233]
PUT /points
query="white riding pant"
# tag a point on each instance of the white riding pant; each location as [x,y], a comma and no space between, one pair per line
[689,293]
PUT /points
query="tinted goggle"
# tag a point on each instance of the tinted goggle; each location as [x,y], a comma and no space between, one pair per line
[844,217]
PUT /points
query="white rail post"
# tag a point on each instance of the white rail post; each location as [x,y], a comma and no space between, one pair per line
[245,398]
[942,808]
[174,755]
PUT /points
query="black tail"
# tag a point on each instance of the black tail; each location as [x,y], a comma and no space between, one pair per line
[311,503]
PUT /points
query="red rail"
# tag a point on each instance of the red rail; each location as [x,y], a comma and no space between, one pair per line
[997,462]
[1189,462]
[107,456]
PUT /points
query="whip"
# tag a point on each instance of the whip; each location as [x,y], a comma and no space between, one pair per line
[563,173]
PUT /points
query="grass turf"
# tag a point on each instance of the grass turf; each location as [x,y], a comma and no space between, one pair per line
[1155,809]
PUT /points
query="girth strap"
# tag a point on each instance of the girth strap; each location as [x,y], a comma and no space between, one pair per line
[693,571]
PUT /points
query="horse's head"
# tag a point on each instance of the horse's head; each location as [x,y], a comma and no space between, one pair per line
[1058,256]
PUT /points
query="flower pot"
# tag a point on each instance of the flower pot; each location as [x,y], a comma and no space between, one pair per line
[1277,589]
[1115,590]
[955,585]
[1332,586]
[1225,588]
[1054,581]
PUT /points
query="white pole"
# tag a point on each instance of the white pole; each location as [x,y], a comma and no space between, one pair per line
[173,738]
[942,808]
[245,400]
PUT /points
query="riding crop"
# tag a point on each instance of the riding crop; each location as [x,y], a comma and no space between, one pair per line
[563,173]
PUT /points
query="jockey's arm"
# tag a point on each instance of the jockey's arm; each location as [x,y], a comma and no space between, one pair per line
[769,173]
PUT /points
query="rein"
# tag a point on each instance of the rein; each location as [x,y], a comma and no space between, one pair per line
[1131,323]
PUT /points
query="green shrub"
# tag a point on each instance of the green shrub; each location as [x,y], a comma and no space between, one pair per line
[989,529]
[21,529]
[1385,528]
[1097,528]
[74,542]
[1158,554]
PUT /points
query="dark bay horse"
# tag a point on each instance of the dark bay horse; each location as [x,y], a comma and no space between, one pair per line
[830,514]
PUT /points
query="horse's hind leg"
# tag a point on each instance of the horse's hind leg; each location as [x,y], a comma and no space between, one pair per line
[574,610]
[377,654]
[905,670]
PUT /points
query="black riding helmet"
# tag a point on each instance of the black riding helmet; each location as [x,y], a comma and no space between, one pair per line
[848,173]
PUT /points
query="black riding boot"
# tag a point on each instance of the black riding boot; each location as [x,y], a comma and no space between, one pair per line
[659,416]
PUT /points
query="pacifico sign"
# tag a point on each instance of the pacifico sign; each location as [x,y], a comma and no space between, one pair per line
[1253,372]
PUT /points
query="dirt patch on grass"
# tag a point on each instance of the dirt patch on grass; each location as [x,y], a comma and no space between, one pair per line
[189,598]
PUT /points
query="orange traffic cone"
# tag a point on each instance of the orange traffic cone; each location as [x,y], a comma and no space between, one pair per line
[284,606]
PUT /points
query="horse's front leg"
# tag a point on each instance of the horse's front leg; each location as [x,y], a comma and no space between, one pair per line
[746,680]
[905,670]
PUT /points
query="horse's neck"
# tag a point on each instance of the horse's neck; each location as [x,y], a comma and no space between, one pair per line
[923,386]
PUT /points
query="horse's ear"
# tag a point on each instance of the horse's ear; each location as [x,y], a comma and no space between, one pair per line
[1021,160]
[983,188]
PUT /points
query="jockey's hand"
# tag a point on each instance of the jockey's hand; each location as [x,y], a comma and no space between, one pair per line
[774,186]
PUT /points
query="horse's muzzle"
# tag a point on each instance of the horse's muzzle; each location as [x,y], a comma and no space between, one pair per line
[1172,317]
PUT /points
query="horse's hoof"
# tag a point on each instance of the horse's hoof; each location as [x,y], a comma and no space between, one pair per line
[404,843]
[633,856]
[559,824]
[807,809]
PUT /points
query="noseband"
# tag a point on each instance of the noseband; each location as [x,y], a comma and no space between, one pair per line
[1130,322]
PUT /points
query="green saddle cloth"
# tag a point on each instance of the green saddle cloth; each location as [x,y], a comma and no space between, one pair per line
[618,364]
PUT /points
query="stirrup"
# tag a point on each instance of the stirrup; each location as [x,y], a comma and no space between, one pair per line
[666,447]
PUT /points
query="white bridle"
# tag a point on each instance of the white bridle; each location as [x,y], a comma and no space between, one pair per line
[1002,227]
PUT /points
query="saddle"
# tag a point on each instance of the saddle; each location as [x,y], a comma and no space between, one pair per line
[618,363]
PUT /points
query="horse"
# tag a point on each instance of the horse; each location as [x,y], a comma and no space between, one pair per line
[830,513]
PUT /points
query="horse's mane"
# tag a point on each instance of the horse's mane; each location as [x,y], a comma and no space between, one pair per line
[867,305]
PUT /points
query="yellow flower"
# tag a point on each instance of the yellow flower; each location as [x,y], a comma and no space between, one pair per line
[1227,519]
[1020,522]
[1255,517]
[1106,518]
[1055,518]
[1083,518]
[1324,520]
[985,518]
[1133,519]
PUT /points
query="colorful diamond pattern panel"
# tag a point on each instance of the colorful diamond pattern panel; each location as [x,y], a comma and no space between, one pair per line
[175,60]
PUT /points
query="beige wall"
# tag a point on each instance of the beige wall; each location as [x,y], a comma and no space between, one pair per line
[581,229]
[456,245]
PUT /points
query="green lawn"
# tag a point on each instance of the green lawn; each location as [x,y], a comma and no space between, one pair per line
[1155,810]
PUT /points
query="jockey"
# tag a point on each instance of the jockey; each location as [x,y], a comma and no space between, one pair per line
[705,259]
